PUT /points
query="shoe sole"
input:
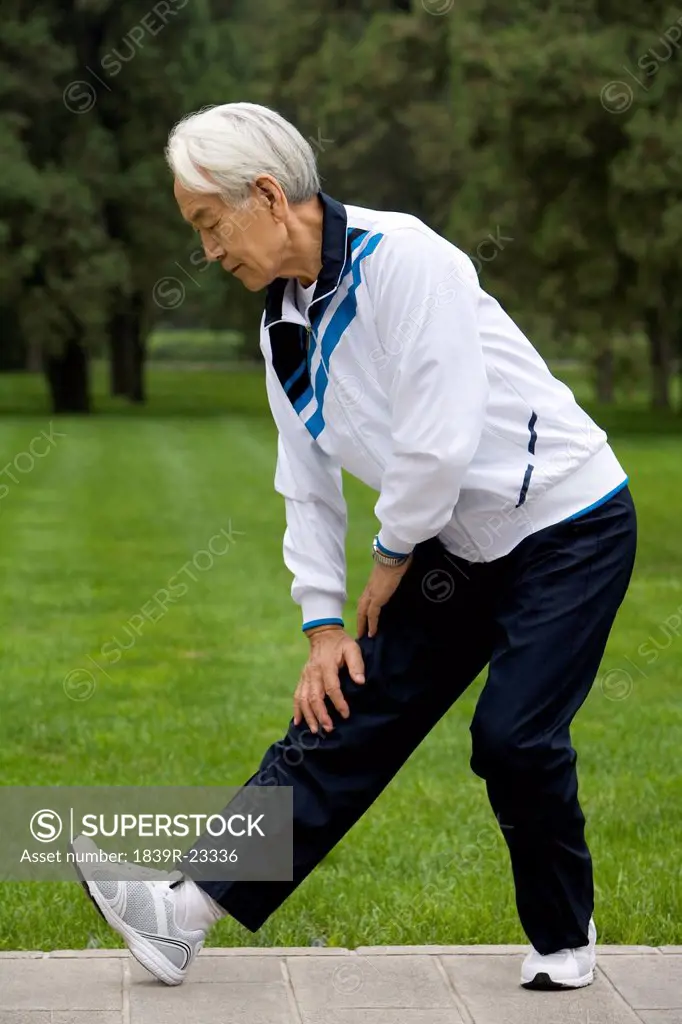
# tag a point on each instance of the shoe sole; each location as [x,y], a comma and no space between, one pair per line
[543,983]
[143,951]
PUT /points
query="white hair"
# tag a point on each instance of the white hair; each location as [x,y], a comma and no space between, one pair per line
[235,143]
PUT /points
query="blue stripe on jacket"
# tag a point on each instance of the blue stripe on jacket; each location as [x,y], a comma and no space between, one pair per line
[342,318]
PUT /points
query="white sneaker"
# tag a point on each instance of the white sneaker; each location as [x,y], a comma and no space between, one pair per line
[88,862]
[142,912]
[567,968]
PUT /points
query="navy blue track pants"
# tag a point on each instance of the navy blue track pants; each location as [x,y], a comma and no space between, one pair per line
[540,618]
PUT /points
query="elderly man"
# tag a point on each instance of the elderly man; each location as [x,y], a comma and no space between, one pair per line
[506,536]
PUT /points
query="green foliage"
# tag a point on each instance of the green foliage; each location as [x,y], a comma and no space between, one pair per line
[88,94]
[548,137]
[195,346]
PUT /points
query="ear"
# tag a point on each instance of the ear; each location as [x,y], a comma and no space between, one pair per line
[268,194]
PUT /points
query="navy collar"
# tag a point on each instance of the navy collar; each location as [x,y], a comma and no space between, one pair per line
[334,224]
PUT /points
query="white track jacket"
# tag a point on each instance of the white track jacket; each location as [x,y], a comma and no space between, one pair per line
[405,373]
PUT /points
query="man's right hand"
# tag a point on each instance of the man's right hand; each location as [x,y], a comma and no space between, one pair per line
[330,649]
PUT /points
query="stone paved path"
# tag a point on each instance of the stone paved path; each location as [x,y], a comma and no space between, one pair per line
[370,985]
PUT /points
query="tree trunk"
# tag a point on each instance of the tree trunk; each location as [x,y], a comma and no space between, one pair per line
[137,383]
[603,366]
[68,379]
[127,350]
[34,356]
[12,345]
[660,356]
[676,366]
[118,373]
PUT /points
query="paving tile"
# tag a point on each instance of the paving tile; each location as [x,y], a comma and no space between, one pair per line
[357,1016]
[89,954]
[217,970]
[442,950]
[409,982]
[26,1017]
[49,984]
[33,954]
[236,1003]
[277,951]
[373,985]
[627,950]
[491,992]
[654,985]
[85,1017]
[482,950]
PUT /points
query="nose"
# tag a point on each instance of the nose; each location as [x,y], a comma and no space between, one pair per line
[213,250]
[213,254]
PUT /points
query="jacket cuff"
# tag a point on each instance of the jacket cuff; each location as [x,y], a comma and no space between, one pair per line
[319,609]
[392,545]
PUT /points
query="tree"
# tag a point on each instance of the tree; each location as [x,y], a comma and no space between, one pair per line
[545,140]
[149,66]
[64,267]
[86,206]
[555,151]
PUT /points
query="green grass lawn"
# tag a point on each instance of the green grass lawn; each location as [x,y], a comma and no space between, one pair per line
[121,503]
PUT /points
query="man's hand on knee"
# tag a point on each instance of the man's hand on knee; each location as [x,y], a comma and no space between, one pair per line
[330,649]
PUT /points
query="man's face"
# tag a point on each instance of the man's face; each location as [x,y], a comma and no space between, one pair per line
[247,241]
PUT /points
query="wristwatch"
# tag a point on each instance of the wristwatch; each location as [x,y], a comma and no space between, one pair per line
[384,557]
